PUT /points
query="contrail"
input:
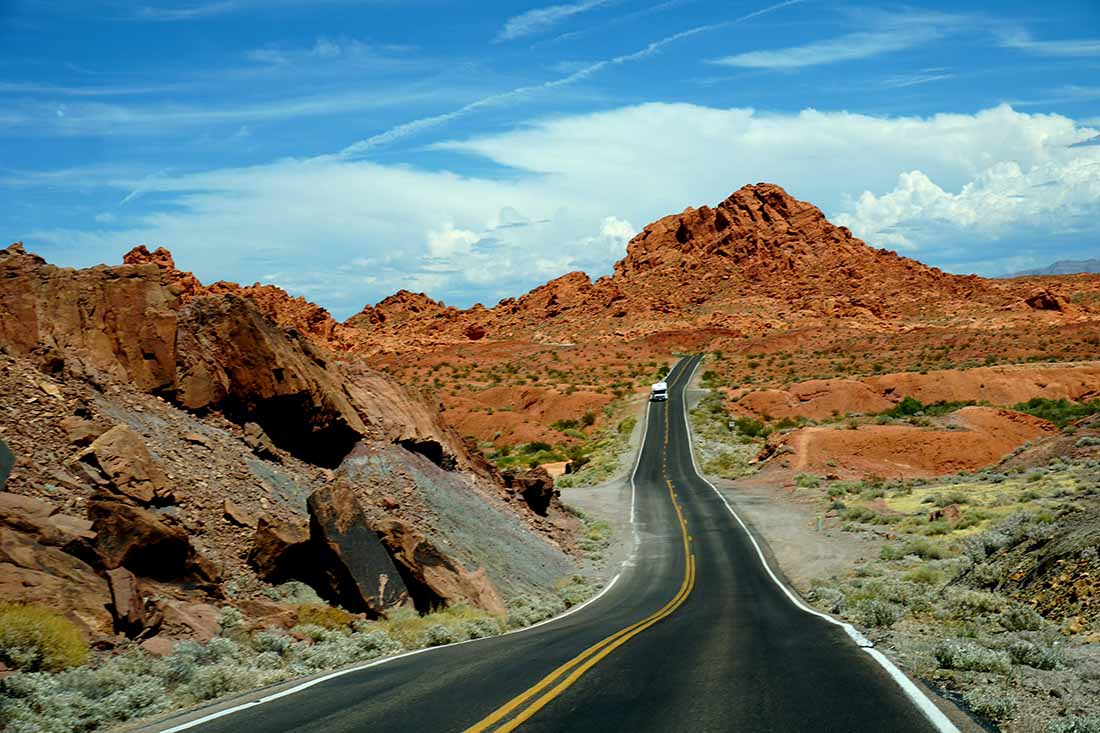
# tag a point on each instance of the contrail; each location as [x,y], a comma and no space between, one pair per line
[410,128]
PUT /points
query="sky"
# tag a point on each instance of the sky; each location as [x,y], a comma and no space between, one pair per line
[346,149]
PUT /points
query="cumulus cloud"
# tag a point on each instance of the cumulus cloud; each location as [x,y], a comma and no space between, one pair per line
[1054,197]
[953,189]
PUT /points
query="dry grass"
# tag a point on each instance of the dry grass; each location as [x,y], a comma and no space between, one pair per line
[33,639]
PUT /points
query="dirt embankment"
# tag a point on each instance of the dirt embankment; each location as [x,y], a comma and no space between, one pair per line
[972,438]
[821,399]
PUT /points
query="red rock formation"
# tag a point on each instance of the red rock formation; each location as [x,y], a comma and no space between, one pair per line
[352,568]
[433,579]
[758,259]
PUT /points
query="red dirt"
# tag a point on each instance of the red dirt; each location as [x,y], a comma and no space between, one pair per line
[981,436]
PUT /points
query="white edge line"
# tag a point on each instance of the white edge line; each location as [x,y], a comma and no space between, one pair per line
[358,668]
[915,694]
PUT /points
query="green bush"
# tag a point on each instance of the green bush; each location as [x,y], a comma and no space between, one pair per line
[1075,724]
[1037,655]
[327,617]
[1061,412]
[968,655]
[1018,617]
[626,425]
[807,481]
[751,427]
[34,638]
[991,701]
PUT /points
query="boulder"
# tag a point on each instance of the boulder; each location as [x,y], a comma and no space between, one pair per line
[41,519]
[187,620]
[230,356]
[81,431]
[433,579]
[158,646]
[353,568]
[258,442]
[124,462]
[535,486]
[7,463]
[128,606]
[236,515]
[31,572]
[131,536]
[280,552]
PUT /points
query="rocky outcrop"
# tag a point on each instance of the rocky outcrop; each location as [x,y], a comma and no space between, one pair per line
[1049,300]
[107,323]
[127,604]
[281,552]
[122,460]
[232,358]
[433,579]
[535,487]
[352,567]
[34,572]
[127,535]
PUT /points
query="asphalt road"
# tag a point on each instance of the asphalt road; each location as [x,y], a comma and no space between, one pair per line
[695,636]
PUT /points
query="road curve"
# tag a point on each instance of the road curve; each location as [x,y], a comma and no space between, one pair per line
[695,635]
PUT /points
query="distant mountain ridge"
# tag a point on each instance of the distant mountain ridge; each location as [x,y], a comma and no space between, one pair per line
[1063,267]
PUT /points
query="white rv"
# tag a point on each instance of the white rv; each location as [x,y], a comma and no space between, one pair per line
[659,393]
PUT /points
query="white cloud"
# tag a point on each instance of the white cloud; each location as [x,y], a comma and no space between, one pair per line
[1023,41]
[538,20]
[348,232]
[1052,196]
[888,33]
[448,241]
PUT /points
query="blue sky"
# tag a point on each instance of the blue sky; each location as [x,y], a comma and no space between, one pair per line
[346,149]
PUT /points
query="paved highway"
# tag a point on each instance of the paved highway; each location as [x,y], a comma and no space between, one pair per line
[696,635]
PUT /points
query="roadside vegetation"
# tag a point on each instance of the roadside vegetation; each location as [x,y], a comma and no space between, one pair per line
[960,592]
[59,691]
[725,445]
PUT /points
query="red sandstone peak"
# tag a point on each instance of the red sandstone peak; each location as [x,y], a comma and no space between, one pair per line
[399,308]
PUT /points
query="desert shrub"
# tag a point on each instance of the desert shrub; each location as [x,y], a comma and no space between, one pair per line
[438,635]
[231,620]
[965,604]
[1061,412]
[985,575]
[924,574]
[34,638]
[830,599]
[968,655]
[751,427]
[216,680]
[267,641]
[807,481]
[991,701]
[626,425]
[1075,724]
[874,613]
[295,593]
[1038,655]
[328,617]
[563,425]
[1089,441]
[1018,617]
[588,419]
[949,498]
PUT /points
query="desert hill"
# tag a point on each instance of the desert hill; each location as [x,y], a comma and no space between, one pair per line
[759,260]
[176,452]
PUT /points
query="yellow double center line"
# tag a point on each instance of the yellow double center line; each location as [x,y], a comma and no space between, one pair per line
[558,681]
